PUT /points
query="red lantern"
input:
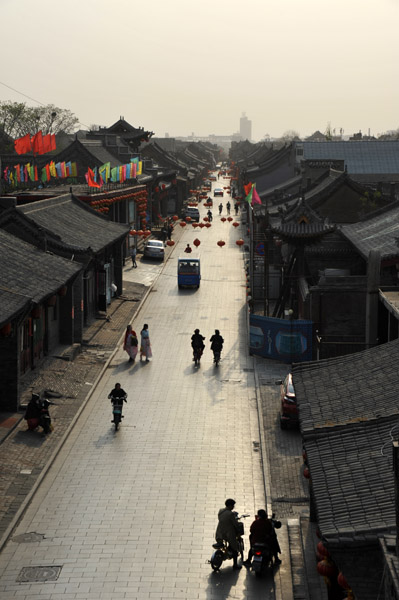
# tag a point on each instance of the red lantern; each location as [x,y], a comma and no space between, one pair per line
[306,473]
[235,224]
[322,551]
[229,219]
[182,223]
[63,291]
[240,242]
[188,219]
[147,233]
[196,242]
[132,232]
[170,243]
[5,330]
[221,243]
[175,218]
[163,186]
[157,189]
[201,225]
[326,568]
[207,225]
[206,219]
[140,232]
[223,219]
[194,224]
[342,581]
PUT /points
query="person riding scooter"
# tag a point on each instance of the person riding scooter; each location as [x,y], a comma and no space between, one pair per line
[118,397]
[197,344]
[228,529]
[262,532]
[37,413]
[216,345]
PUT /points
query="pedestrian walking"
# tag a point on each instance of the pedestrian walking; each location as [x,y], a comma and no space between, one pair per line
[236,205]
[220,208]
[170,231]
[228,206]
[130,343]
[145,347]
[133,254]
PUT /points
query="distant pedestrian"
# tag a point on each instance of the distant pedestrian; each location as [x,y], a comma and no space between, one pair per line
[133,254]
[236,205]
[228,206]
[145,348]
[220,208]
[188,249]
[170,231]
[130,343]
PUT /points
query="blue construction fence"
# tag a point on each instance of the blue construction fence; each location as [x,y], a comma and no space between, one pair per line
[281,339]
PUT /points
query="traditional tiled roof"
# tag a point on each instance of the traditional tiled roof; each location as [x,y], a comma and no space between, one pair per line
[28,275]
[74,223]
[359,156]
[335,392]
[352,481]
[379,232]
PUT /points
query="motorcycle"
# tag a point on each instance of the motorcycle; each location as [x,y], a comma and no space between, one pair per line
[197,353]
[262,555]
[117,416]
[216,357]
[223,552]
[37,414]
[261,559]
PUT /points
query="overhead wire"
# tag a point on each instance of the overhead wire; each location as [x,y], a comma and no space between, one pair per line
[33,99]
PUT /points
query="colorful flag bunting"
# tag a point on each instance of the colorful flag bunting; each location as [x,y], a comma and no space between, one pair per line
[90,179]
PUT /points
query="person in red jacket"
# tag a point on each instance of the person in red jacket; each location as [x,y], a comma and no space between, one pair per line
[262,532]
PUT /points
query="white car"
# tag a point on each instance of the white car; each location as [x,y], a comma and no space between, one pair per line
[154,249]
[218,192]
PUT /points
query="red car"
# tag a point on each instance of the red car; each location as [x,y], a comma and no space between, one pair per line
[289,408]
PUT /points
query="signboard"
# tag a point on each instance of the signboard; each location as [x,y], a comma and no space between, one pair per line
[281,339]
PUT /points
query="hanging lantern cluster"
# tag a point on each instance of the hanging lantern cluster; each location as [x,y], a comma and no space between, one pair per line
[103,205]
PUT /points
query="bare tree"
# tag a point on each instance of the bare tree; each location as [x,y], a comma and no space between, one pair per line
[290,135]
[17,119]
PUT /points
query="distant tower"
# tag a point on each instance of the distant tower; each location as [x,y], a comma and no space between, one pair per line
[245,128]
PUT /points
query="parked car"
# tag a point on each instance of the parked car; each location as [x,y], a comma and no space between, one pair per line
[212,178]
[288,405]
[154,249]
[218,192]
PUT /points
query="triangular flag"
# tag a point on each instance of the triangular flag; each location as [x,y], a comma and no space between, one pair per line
[255,196]
[247,188]
[248,197]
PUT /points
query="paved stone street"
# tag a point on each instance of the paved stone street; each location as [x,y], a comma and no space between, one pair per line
[133,514]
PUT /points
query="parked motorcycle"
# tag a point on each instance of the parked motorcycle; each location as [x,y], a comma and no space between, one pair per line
[37,414]
[222,551]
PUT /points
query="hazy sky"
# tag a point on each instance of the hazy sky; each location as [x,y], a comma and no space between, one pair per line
[183,66]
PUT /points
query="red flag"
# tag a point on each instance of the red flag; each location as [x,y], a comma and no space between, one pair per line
[90,179]
[47,143]
[37,143]
[248,188]
[47,167]
[36,175]
[53,144]
[22,145]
